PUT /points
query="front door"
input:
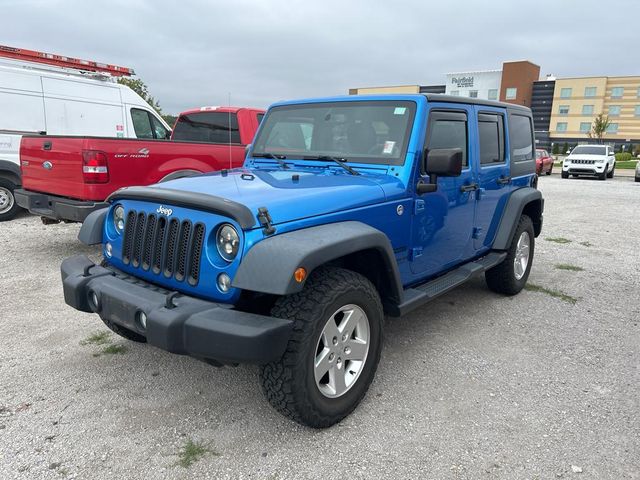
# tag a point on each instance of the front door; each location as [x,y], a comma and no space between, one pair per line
[443,220]
[493,175]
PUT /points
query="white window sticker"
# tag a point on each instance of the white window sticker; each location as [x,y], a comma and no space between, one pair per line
[388,147]
[399,111]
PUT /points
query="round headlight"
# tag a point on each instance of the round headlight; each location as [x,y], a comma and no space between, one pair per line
[228,242]
[118,218]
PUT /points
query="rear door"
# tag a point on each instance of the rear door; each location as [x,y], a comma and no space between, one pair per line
[493,173]
[443,220]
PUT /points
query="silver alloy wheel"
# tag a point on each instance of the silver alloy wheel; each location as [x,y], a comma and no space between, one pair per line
[341,351]
[6,200]
[521,258]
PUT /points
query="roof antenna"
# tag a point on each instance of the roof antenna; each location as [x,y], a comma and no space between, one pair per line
[229,105]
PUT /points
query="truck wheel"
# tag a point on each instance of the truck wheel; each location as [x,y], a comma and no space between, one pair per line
[564,174]
[8,206]
[334,349]
[510,276]
[613,169]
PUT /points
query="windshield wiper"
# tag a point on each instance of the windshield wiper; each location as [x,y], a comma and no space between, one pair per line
[338,160]
[278,158]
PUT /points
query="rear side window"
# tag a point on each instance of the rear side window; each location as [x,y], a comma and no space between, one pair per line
[448,130]
[141,123]
[491,133]
[521,138]
[208,127]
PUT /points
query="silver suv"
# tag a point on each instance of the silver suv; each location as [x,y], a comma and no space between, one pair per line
[592,160]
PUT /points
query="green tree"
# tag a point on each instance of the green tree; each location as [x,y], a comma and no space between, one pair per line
[599,127]
[138,86]
[565,147]
[170,119]
[555,149]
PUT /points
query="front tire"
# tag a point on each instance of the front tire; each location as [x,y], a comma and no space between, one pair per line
[334,349]
[550,169]
[564,174]
[613,169]
[8,206]
[510,276]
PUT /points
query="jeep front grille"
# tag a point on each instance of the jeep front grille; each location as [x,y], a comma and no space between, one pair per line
[165,246]
[584,162]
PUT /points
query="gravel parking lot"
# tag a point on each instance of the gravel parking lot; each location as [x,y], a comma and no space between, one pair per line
[542,385]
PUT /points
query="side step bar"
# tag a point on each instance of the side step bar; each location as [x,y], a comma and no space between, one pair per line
[417,296]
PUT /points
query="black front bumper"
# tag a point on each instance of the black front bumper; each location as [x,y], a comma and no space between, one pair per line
[175,323]
[56,208]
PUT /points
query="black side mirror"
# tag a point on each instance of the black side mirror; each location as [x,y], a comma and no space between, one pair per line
[443,162]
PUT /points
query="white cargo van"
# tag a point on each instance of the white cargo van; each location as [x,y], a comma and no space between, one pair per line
[68,97]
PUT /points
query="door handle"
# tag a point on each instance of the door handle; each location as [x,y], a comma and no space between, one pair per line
[503,180]
[469,188]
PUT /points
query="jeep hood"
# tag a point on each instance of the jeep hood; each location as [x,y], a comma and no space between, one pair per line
[291,194]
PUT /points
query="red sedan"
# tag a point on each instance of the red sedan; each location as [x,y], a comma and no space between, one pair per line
[544,162]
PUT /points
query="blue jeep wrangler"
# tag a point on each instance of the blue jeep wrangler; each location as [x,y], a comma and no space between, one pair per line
[346,210]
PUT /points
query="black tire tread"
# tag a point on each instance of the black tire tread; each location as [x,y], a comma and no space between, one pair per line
[500,278]
[277,378]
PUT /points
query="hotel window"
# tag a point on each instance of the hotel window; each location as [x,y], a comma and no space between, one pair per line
[511,93]
[585,127]
[612,128]
[561,127]
[637,111]
[493,94]
[473,93]
[617,92]
[590,91]
[455,93]
[565,93]
[563,110]
[614,110]
[587,110]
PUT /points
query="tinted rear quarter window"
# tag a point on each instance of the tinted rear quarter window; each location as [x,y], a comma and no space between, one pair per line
[208,127]
[521,138]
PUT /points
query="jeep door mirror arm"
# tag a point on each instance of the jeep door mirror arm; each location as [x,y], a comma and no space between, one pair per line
[445,162]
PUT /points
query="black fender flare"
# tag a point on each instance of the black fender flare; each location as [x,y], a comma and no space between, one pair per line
[10,171]
[269,265]
[92,228]
[179,174]
[526,198]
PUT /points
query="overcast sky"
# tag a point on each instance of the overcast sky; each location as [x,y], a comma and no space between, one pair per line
[192,53]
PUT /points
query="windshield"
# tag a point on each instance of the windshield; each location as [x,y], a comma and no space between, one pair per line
[357,131]
[584,150]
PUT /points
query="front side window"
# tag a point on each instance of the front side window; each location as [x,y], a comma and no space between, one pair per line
[617,92]
[520,138]
[141,123]
[491,133]
[159,130]
[590,91]
[614,110]
[448,130]
[587,110]
[585,127]
[565,93]
[208,127]
[612,128]
[563,109]
[511,93]
[561,127]
[493,94]
[366,131]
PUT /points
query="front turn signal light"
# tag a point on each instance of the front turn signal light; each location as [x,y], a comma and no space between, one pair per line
[300,274]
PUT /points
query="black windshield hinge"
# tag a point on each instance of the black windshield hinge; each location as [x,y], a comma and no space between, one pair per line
[265,220]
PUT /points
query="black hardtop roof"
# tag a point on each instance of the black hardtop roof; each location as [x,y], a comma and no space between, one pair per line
[439,97]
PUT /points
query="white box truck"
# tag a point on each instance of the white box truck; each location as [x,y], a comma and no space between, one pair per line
[49,94]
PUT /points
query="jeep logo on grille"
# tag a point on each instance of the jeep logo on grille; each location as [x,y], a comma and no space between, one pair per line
[164,211]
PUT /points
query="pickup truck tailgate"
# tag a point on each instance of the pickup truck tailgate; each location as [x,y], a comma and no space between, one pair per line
[53,165]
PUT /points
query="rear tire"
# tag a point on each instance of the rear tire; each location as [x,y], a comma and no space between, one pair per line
[8,206]
[319,379]
[510,276]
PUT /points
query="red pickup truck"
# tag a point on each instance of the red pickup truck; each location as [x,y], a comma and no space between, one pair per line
[66,178]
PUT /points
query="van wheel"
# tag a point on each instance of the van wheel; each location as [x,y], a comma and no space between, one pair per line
[334,349]
[8,206]
[510,276]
